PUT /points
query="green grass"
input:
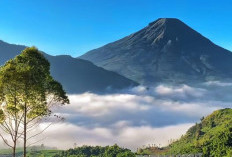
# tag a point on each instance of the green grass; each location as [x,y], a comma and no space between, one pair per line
[43,153]
[40,153]
[9,151]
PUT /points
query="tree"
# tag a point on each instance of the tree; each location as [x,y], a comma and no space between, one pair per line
[10,100]
[97,151]
[36,91]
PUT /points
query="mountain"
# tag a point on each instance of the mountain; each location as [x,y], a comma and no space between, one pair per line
[76,75]
[167,50]
[8,51]
[212,136]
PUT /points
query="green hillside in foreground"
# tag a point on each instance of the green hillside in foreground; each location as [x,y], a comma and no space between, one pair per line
[212,136]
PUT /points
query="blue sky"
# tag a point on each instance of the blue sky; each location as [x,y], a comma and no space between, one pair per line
[75,26]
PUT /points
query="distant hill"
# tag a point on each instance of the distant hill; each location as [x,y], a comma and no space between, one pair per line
[212,136]
[167,50]
[76,75]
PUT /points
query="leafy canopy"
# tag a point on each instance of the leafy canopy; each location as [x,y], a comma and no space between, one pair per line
[212,136]
[26,80]
[97,151]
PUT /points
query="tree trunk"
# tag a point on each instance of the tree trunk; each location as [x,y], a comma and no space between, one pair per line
[13,154]
[16,132]
[25,132]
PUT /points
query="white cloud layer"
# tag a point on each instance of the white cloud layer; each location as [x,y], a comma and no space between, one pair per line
[126,136]
[136,117]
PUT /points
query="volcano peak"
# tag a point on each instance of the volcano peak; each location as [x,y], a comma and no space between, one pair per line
[165,50]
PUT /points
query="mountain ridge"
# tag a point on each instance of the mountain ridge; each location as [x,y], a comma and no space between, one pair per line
[76,75]
[167,50]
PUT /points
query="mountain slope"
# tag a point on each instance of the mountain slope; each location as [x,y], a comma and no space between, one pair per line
[76,75]
[166,50]
[8,51]
[212,136]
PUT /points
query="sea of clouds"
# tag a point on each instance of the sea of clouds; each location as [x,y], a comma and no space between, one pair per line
[135,117]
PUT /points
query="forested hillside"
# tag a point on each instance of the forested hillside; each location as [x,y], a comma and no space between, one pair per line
[212,136]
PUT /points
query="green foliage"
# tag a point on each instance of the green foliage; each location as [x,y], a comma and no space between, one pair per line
[43,153]
[27,91]
[88,151]
[2,116]
[26,79]
[212,137]
[31,153]
[9,151]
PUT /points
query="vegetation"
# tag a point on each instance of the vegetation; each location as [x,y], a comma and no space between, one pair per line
[154,150]
[212,136]
[27,92]
[98,151]
[84,151]
[43,153]
[30,152]
[9,151]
